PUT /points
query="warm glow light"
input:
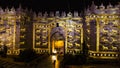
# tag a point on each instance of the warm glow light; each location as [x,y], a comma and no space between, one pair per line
[54,57]
[59,43]
[55,51]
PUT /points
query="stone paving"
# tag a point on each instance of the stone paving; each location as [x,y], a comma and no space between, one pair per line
[9,63]
[47,63]
[93,66]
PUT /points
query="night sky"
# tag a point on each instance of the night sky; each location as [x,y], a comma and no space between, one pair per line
[54,5]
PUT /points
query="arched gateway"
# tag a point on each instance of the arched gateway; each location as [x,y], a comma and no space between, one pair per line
[63,35]
[57,40]
[46,32]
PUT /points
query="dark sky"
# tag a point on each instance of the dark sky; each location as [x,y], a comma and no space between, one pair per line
[54,5]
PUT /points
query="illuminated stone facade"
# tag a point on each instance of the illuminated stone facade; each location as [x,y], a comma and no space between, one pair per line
[15,29]
[63,32]
[9,29]
[103,31]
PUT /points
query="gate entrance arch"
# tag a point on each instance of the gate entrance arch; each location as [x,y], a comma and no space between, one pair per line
[57,41]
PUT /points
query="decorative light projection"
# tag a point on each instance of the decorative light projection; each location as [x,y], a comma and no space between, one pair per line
[9,30]
[7,35]
[74,35]
[63,33]
[103,32]
[41,36]
[109,36]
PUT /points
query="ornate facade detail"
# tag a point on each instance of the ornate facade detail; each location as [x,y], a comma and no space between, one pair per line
[61,31]
[102,9]
[102,31]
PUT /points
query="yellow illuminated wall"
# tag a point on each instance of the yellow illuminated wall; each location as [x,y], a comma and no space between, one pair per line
[59,43]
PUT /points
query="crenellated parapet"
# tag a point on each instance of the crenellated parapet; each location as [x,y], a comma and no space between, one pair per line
[99,10]
[12,13]
[57,14]
[54,16]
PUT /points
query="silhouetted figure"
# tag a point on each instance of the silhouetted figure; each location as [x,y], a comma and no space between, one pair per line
[1,50]
[54,61]
[4,51]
